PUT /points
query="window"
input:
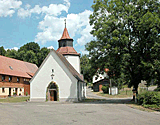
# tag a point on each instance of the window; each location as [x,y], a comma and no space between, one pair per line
[10,78]
[96,78]
[17,79]
[52,70]
[100,77]
[3,78]
[3,90]
[20,89]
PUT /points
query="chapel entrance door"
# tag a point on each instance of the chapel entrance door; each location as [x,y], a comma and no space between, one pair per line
[53,95]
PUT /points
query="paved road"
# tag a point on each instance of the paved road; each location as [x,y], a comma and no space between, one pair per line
[29,113]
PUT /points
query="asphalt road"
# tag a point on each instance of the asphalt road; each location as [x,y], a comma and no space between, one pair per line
[29,113]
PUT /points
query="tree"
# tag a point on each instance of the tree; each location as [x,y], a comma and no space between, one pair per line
[41,55]
[127,39]
[30,46]
[2,51]
[86,69]
[11,53]
[30,56]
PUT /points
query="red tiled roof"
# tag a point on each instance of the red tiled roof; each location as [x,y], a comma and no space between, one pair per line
[67,50]
[14,67]
[65,34]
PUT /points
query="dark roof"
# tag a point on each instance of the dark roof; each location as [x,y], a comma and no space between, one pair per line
[69,66]
[67,51]
[14,67]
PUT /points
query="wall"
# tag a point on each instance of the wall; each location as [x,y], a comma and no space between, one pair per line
[74,61]
[66,82]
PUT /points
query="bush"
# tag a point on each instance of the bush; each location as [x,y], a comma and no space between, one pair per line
[149,98]
[157,89]
[26,93]
[105,89]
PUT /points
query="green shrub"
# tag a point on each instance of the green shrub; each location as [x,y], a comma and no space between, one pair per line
[149,98]
[14,93]
[157,89]
[26,93]
[105,89]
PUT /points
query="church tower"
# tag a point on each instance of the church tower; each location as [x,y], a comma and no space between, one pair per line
[67,50]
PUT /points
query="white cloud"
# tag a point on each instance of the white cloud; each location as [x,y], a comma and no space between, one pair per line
[50,47]
[52,27]
[52,9]
[8,7]
[85,36]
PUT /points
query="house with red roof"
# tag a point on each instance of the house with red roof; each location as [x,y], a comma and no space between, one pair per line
[15,76]
[58,78]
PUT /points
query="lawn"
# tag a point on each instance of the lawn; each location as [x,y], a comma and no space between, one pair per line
[122,94]
[14,99]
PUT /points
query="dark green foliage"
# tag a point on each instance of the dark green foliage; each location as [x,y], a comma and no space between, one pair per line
[105,89]
[30,46]
[41,55]
[86,69]
[157,89]
[11,53]
[2,51]
[127,39]
[30,56]
[149,98]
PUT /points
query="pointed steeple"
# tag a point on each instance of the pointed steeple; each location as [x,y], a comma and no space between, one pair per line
[65,34]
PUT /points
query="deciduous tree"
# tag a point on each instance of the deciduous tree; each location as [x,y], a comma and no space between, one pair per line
[127,39]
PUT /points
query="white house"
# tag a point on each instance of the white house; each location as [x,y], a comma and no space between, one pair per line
[58,78]
[98,80]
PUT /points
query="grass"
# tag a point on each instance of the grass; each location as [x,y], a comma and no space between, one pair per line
[140,107]
[122,94]
[14,99]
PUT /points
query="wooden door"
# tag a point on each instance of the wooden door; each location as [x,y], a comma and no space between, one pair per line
[51,95]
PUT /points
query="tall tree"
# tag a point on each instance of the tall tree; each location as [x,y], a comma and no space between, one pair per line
[2,51]
[86,69]
[11,53]
[30,46]
[127,39]
[41,55]
[30,56]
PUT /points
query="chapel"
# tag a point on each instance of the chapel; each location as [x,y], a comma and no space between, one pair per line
[58,78]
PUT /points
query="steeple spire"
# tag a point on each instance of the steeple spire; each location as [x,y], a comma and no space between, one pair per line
[65,34]
[65,22]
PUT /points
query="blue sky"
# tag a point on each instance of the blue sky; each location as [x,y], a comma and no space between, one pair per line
[42,21]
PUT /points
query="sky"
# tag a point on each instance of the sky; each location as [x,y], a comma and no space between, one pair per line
[42,21]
